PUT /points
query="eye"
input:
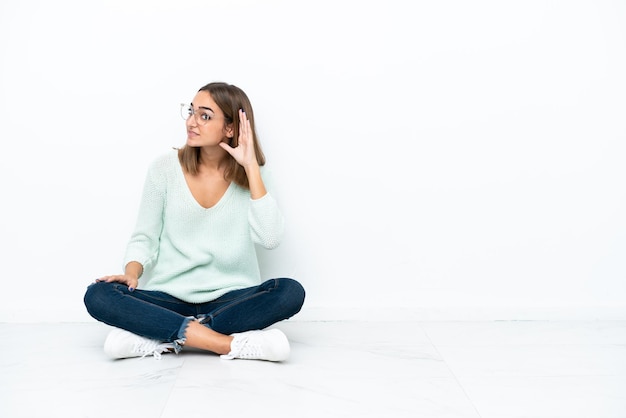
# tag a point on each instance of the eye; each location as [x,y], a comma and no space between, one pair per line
[205,117]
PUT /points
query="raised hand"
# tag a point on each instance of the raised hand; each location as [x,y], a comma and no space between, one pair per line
[244,152]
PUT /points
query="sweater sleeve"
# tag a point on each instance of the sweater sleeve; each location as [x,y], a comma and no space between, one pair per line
[144,242]
[267,225]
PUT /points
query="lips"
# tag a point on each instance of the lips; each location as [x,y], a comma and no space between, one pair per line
[192,133]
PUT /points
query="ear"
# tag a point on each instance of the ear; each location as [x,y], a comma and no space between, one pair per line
[229,130]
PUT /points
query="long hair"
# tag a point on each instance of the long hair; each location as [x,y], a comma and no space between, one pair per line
[230,99]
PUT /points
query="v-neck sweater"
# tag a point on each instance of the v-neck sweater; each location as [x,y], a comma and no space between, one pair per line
[194,253]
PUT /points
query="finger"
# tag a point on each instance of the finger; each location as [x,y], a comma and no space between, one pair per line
[240,134]
[243,134]
[247,125]
[227,147]
[110,279]
[250,133]
[132,284]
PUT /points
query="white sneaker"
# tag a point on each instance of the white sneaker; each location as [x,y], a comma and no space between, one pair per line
[123,344]
[269,345]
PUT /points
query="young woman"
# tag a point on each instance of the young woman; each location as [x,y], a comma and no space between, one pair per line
[203,210]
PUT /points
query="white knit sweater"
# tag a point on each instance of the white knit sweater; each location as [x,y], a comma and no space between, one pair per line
[198,254]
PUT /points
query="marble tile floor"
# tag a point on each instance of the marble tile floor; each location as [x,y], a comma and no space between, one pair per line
[496,369]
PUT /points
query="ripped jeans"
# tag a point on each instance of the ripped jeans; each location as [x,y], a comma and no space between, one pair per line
[160,316]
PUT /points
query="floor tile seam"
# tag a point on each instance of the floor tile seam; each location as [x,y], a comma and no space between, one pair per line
[172,388]
[540,376]
[532,345]
[546,377]
[590,326]
[454,376]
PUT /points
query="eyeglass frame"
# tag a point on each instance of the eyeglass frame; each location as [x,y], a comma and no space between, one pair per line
[194,112]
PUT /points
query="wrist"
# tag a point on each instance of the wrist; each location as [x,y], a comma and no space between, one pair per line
[252,167]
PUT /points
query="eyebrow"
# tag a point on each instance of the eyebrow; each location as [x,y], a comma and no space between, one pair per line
[204,107]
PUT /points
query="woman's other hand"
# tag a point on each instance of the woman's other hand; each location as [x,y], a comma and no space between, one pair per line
[126,279]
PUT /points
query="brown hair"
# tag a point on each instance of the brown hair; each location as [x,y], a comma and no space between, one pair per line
[230,99]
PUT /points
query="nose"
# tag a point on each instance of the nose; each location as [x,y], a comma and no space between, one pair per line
[191,121]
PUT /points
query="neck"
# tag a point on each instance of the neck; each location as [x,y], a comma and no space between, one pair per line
[212,158]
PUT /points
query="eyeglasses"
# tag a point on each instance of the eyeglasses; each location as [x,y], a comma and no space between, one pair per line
[201,116]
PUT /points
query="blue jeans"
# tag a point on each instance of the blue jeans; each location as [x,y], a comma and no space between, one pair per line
[160,316]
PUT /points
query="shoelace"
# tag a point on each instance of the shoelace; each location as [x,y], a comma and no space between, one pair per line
[244,350]
[248,351]
[147,347]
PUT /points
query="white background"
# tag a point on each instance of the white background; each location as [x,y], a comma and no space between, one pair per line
[449,159]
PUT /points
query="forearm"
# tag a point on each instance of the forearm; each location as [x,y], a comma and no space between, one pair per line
[133,269]
[255,181]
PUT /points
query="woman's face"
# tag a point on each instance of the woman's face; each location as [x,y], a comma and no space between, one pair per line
[206,126]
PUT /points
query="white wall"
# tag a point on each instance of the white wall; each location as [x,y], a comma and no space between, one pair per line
[442,160]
